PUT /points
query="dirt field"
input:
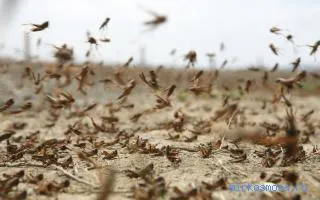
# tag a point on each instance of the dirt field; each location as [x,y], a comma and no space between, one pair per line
[185,147]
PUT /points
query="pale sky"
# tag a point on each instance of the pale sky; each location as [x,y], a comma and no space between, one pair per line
[192,24]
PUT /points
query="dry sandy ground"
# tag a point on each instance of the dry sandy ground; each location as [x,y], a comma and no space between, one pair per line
[156,128]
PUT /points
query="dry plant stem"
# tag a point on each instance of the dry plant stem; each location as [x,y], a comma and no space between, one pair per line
[55,167]
[74,177]
[22,164]
[220,151]
[233,114]
[185,149]
[222,140]
[223,167]
[75,168]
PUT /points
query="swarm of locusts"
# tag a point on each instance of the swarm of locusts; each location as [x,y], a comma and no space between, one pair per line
[143,133]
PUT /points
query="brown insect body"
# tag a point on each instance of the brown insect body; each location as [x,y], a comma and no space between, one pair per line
[104,23]
[191,57]
[274,49]
[39,27]
[296,64]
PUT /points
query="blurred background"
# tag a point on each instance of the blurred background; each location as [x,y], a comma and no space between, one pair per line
[243,27]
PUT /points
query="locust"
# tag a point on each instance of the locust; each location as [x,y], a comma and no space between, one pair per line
[275,30]
[275,67]
[296,64]
[92,41]
[105,40]
[290,82]
[314,47]
[38,27]
[163,102]
[196,88]
[224,63]
[157,20]
[274,49]
[7,105]
[152,82]
[191,57]
[127,89]
[128,62]
[104,23]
